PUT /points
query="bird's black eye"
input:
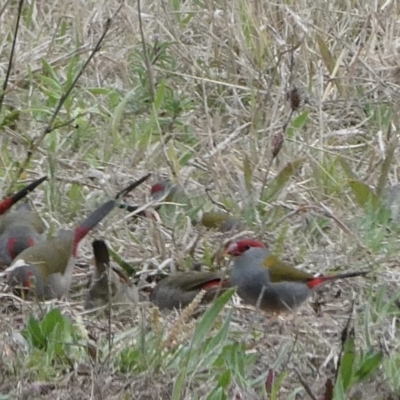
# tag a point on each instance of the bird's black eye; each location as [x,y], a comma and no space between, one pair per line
[247,247]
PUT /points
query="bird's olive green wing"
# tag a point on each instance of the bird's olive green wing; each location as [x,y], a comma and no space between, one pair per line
[50,256]
[279,271]
[188,281]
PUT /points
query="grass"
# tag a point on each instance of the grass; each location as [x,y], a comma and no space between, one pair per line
[203,102]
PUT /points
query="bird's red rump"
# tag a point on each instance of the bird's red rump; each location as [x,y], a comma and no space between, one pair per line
[11,247]
[6,204]
[80,233]
[212,284]
[317,281]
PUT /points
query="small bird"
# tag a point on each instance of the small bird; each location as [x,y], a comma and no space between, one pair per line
[218,220]
[108,284]
[46,268]
[19,229]
[179,290]
[9,201]
[262,279]
[168,192]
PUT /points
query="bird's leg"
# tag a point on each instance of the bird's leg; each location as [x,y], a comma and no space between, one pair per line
[256,311]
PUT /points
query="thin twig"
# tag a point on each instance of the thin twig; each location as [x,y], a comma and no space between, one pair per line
[36,142]
[10,60]
[145,55]
[215,202]
[255,314]
[109,288]
[305,385]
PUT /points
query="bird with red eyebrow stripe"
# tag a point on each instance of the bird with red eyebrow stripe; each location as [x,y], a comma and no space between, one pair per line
[264,280]
[19,228]
[46,269]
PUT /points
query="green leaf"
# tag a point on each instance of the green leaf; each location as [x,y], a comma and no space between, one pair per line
[328,59]
[50,321]
[247,172]
[33,333]
[297,123]
[121,262]
[119,113]
[346,369]
[71,71]
[218,340]
[276,185]
[224,379]
[326,54]
[346,168]
[172,157]
[364,195]
[277,385]
[178,385]
[386,167]
[339,392]
[160,95]
[209,317]
[49,71]
[369,365]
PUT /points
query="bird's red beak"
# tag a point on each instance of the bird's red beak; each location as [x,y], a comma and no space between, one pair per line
[233,249]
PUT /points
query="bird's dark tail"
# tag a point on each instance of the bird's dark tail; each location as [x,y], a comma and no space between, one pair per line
[100,213]
[319,280]
[8,202]
[101,255]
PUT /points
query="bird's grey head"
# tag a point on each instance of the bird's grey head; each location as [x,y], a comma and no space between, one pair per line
[247,249]
[25,279]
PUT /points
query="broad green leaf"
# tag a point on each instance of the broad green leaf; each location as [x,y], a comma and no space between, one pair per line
[297,124]
[276,185]
[364,195]
[33,333]
[347,364]
[209,317]
[369,365]
[218,340]
[224,379]
[50,321]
